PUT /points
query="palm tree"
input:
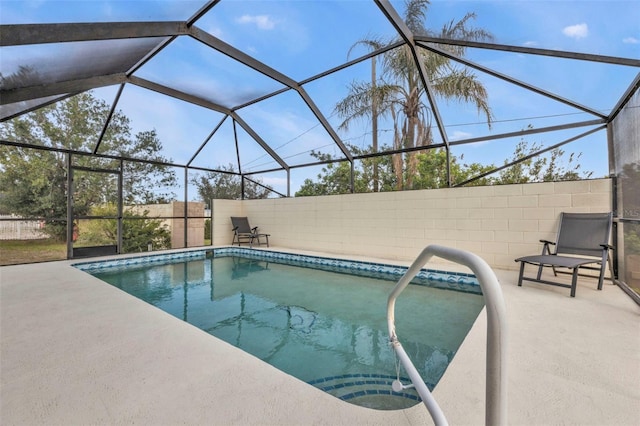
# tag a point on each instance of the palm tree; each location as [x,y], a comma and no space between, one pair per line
[399,92]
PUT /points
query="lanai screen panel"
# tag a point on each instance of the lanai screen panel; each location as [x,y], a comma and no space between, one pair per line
[39,64]
[13,109]
[299,39]
[199,70]
[58,126]
[180,127]
[339,87]
[290,128]
[66,11]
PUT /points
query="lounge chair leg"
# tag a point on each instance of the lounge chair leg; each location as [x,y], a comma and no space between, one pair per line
[521,272]
[574,282]
[601,277]
[539,271]
[605,258]
[613,276]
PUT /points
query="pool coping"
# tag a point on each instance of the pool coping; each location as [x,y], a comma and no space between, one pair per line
[438,278]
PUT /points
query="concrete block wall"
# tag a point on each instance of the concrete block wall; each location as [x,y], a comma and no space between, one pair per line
[175,210]
[222,210]
[498,223]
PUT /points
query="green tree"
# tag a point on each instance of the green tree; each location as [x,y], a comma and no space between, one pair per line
[34,182]
[226,185]
[399,94]
[147,183]
[335,178]
[137,230]
[207,229]
[552,168]
[431,171]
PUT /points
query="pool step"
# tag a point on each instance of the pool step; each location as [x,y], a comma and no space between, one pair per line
[354,387]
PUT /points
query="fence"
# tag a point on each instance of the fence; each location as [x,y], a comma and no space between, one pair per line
[20,229]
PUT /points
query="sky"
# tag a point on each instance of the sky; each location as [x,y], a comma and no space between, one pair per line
[301,39]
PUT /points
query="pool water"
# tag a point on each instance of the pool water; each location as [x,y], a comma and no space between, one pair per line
[325,327]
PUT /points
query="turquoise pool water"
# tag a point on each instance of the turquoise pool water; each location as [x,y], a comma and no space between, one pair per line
[322,321]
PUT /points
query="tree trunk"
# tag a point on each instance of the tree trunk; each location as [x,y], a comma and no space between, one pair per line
[411,110]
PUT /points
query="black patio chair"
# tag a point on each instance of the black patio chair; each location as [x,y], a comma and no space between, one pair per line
[243,233]
[582,242]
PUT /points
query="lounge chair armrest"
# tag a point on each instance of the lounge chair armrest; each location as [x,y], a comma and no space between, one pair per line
[254,229]
[607,246]
[234,228]
[545,248]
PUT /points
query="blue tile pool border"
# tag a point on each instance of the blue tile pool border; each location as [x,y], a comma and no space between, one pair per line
[458,281]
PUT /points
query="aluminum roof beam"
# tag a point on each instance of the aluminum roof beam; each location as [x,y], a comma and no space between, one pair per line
[61,87]
[201,12]
[108,120]
[206,141]
[23,34]
[633,87]
[530,131]
[17,109]
[266,70]
[511,79]
[210,105]
[533,51]
[159,88]
[153,52]
[258,139]
[483,138]
[530,156]
[225,48]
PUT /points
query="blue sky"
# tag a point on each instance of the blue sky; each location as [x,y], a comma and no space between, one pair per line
[303,38]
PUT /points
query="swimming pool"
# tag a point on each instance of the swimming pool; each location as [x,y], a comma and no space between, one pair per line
[320,320]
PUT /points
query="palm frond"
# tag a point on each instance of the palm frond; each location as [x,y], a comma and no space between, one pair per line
[416,14]
[460,31]
[370,42]
[359,101]
[464,86]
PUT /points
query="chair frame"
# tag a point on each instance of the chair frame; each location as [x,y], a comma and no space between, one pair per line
[243,233]
[573,256]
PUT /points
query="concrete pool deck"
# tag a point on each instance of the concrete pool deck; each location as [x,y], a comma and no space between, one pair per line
[75,350]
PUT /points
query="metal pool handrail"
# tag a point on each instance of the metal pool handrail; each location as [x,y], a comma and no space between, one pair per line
[496,371]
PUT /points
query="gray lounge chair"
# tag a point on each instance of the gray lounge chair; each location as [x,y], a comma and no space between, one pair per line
[583,239]
[244,233]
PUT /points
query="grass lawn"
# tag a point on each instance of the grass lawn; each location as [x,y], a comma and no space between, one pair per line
[29,251]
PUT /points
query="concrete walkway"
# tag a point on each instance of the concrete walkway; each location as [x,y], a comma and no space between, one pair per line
[75,350]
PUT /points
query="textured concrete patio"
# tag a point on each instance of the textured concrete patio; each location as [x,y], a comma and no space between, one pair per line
[75,350]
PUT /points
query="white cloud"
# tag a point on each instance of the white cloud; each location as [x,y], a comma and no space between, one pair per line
[263,22]
[458,135]
[215,31]
[630,40]
[530,43]
[576,31]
